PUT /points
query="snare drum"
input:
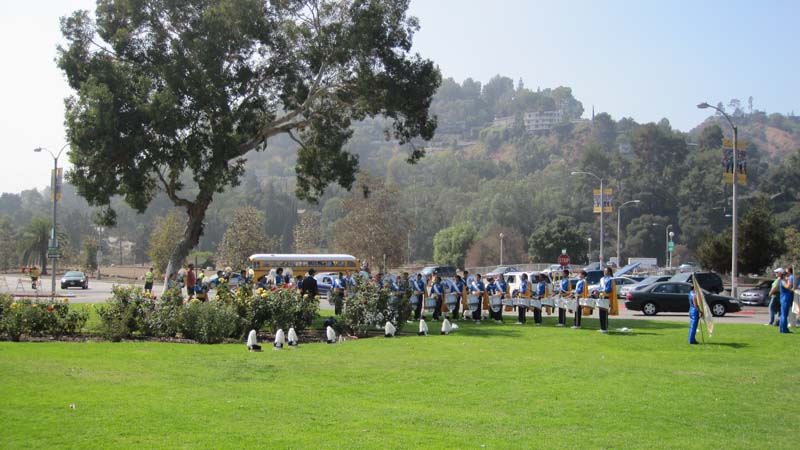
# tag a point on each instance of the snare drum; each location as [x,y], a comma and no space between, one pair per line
[536,303]
[549,301]
[587,302]
[495,302]
[474,302]
[571,304]
[508,302]
[414,301]
[522,302]
[430,303]
[603,303]
[452,301]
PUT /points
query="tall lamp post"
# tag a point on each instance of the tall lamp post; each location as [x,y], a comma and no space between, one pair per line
[670,248]
[667,235]
[501,248]
[589,256]
[54,187]
[602,207]
[734,220]
[619,216]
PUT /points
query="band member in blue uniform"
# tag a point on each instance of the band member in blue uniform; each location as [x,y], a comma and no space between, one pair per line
[477,288]
[606,291]
[437,292]
[279,279]
[339,284]
[523,293]
[457,287]
[578,293]
[502,289]
[541,290]
[564,292]
[418,287]
[787,298]
[694,317]
[491,289]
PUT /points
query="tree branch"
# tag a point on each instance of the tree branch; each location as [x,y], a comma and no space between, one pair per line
[169,188]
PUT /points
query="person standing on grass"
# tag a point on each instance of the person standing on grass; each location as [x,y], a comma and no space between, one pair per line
[541,292]
[477,288]
[418,287]
[148,281]
[580,292]
[309,285]
[787,298]
[190,280]
[522,293]
[437,292]
[564,288]
[774,306]
[695,312]
[606,291]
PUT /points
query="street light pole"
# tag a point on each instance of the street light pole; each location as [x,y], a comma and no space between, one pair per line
[734,217]
[501,249]
[619,216]
[54,192]
[589,256]
[671,248]
[602,208]
[667,259]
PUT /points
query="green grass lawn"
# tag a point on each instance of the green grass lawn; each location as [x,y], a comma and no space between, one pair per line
[486,386]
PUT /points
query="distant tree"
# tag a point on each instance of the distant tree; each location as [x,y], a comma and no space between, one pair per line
[450,245]
[711,137]
[33,243]
[750,104]
[791,257]
[307,233]
[374,225]
[546,243]
[486,250]
[8,244]
[714,253]
[760,240]
[89,253]
[604,131]
[164,239]
[172,96]
[244,237]
[643,239]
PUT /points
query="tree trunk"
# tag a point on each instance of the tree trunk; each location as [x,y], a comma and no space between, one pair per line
[196,213]
[43,259]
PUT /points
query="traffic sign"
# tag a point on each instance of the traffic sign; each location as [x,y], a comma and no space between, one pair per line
[670,246]
[563,260]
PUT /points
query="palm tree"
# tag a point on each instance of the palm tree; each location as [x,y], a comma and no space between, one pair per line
[33,243]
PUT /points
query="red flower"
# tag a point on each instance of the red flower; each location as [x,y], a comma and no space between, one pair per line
[366,302]
[50,308]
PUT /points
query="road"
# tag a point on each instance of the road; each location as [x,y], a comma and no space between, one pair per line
[100,291]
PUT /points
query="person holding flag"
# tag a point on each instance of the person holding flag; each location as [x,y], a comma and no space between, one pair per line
[695,311]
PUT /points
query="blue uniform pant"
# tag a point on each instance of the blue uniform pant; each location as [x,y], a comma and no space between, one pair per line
[786,306]
[694,317]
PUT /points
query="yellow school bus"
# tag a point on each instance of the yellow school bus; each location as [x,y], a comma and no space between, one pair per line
[299,264]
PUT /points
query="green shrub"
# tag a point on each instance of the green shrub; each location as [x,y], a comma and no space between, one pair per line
[208,322]
[369,308]
[27,317]
[125,312]
[165,317]
[287,308]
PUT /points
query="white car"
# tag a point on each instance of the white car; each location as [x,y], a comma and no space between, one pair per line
[621,281]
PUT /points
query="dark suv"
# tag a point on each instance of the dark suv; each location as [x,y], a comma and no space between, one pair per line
[709,281]
[442,271]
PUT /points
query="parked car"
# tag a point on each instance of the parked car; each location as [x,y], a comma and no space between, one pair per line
[621,281]
[758,295]
[442,271]
[709,281]
[501,270]
[74,279]
[688,266]
[233,281]
[647,281]
[672,296]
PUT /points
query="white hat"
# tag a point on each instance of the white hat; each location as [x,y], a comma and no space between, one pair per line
[779,270]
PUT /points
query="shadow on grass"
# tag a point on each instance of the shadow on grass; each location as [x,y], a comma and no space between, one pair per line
[729,344]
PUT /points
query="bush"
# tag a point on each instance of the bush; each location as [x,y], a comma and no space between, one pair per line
[209,322]
[26,317]
[125,312]
[369,308]
[165,318]
[286,308]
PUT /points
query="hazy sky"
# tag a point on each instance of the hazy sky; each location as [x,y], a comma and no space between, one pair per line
[641,59]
